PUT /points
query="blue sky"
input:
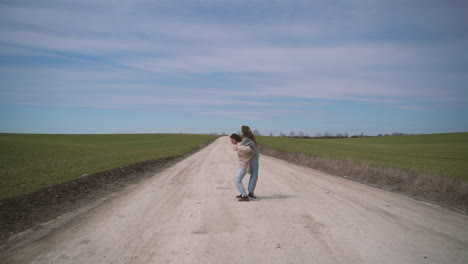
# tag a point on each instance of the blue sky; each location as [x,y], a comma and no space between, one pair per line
[205,66]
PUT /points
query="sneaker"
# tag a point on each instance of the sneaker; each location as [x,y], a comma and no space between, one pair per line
[253,196]
[239,196]
[244,199]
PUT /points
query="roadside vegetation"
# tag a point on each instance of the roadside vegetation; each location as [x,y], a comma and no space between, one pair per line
[437,154]
[429,167]
[32,161]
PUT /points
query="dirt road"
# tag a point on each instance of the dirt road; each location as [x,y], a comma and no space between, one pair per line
[189,214]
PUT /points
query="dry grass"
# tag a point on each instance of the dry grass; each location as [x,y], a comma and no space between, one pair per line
[445,191]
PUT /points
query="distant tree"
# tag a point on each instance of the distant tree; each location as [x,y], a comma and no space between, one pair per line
[256,132]
[301,134]
[282,134]
[271,134]
[224,134]
[292,134]
[318,135]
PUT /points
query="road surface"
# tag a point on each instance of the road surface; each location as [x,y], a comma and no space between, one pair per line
[188,213]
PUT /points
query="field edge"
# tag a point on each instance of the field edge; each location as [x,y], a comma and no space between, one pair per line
[451,193]
[28,211]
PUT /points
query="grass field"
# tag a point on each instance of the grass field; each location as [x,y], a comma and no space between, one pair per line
[30,161]
[439,154]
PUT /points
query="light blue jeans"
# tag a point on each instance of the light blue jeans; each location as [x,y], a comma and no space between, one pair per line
[240,175]
[253,174]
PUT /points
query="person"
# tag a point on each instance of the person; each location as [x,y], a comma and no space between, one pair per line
[248,139]
[245,154]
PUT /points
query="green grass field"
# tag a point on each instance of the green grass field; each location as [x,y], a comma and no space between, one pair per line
[30,161]
[440,154]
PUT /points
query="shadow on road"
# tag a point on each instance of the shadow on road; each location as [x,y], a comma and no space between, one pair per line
[274,197]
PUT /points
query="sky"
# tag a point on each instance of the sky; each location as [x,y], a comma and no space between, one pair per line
[210,66]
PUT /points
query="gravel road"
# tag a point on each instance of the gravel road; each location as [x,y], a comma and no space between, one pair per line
[188,213]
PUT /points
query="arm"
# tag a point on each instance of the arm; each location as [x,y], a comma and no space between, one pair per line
[244,149]
[250,143]
[245,152]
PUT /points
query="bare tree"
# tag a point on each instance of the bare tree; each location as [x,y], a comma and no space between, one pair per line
[301,134]
[271,134]
[292,134]
[256,132]
[282,134]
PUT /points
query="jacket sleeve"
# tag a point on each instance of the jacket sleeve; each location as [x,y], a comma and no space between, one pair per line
[246,142]
[245,151]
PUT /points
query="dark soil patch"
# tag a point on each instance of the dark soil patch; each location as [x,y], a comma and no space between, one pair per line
[27,211]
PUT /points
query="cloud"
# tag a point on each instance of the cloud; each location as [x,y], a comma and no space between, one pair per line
[164,55]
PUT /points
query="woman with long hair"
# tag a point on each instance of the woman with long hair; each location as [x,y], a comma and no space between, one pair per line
[245,154]
[248,139]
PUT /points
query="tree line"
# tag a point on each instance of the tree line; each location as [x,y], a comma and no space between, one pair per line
[326,135]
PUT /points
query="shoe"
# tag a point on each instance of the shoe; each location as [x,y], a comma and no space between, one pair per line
[239,196]
[253,196]
[244,199]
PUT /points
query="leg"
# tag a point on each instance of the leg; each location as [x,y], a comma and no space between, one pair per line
[253,174]
[240,175]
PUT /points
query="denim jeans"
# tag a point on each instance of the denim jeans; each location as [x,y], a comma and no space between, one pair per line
[240,175]
[253,174]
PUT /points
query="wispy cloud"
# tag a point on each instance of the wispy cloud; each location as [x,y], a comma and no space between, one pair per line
[223,54]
